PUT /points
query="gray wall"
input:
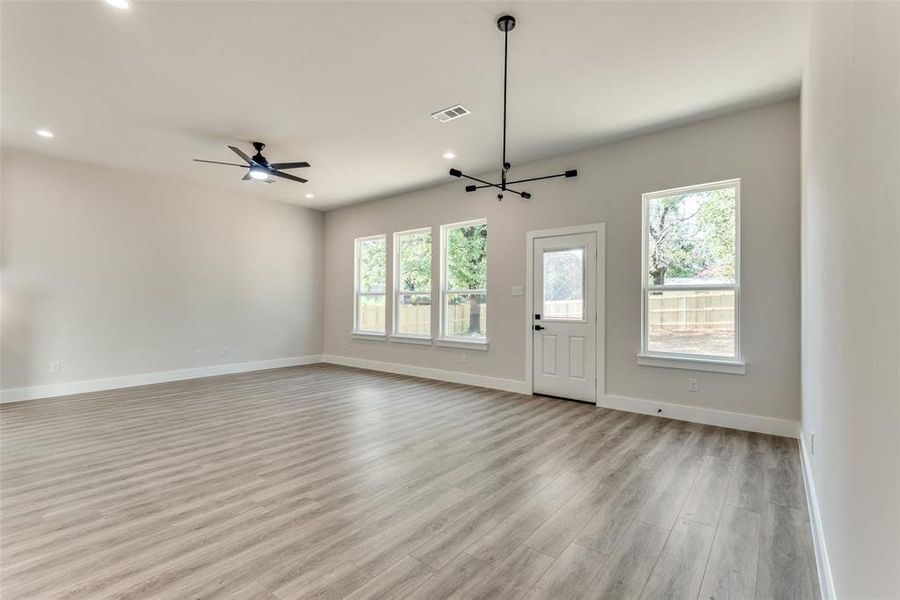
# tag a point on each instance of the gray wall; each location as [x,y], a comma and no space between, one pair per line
[118,273]
[761,146]
[851,297]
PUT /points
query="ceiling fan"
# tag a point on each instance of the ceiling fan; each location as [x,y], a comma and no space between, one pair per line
[506,23]
[260,168]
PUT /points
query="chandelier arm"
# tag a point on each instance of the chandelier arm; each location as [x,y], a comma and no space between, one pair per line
[494,185]
[486,183]
[537,178]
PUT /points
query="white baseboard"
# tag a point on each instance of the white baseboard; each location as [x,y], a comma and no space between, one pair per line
[124,381]
[497,383]
[706,416]
[826,583]
[695,414]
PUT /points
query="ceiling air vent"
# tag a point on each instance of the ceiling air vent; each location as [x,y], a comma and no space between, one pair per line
[448,114]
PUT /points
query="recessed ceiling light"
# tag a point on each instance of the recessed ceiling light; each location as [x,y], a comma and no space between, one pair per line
[120,4]
[45,133]
[448,155]
[310,196]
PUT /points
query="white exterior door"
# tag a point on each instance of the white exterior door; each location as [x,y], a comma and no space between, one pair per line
[564,322]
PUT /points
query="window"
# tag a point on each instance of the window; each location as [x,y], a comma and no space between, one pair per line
[691,275]
[464,282]
[371,266]
[412,283]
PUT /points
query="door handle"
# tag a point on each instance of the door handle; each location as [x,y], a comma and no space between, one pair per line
[539,327]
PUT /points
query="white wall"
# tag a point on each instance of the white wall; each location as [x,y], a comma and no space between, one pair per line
[117,273]
[851,297]
[761,146]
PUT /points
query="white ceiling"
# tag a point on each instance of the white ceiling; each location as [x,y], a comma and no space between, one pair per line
[349,86]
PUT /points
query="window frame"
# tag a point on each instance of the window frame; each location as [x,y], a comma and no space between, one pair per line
[681,360]
[357,332]
[397,292]
[452,341]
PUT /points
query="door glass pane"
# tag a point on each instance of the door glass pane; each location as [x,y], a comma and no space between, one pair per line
[697,322]
[414,314]
[466,315]
[564,284]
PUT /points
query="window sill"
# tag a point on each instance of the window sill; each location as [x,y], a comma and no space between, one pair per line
[369,336]
[462,343]
[411,339]
[734,367]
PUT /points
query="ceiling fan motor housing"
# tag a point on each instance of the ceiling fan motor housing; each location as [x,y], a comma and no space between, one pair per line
[258,157]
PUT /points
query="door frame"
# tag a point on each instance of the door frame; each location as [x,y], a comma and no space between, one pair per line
[600,352]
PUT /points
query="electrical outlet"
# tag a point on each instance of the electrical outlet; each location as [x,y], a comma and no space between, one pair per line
[464,358]
[812,442]
[693,385]
[197,353]
[55,366]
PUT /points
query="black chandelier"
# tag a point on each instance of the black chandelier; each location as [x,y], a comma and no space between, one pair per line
[506,23]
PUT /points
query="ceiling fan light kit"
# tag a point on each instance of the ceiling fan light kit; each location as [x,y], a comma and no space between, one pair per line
[506,23]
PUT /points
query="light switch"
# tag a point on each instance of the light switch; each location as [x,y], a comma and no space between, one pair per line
[517,290]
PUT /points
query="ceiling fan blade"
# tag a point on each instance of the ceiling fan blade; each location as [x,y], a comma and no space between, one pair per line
[246,177]
[290,165]
[287,176]
[215,162]
[241,153]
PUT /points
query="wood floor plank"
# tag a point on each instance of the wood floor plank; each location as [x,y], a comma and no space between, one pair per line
[616,513]
[333,583]
[664,503]
[704,503]
[442,548]
[325,481]
[746,489]
[396,582]
[787,566]
[731,571]
[784,486]
[568,576]
[678,572]
[453,581]
[627,569]
[513,577]
[251,591]
[501,540]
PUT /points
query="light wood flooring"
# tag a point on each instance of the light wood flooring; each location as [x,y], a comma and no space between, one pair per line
[330,482]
